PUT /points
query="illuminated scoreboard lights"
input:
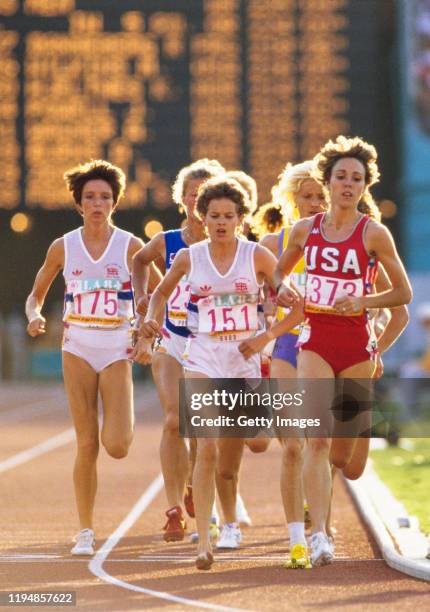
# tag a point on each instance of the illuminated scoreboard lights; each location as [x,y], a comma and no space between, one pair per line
[9,150]
[272,106]
[266,83]
[216,72]
[322,87]
[88,93]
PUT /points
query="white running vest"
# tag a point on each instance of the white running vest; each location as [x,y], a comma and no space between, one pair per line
[223,307]
[98,292]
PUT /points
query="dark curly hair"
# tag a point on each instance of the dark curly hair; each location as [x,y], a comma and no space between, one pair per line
[95,169]
[269,219]
[222,187]
[359,149]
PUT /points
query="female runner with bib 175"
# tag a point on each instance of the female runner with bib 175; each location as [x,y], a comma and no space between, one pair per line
[341,248]
[225,274]
[98,315]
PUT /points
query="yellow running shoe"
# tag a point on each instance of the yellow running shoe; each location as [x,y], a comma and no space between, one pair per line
[299,558]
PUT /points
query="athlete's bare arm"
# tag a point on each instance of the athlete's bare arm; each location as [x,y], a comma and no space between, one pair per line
[145,275]
[256,344]
[270,241]
[52,265]
[399,316]
[180,268]
[292,254]
[379,242]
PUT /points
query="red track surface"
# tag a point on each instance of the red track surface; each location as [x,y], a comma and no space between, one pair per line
[37,517]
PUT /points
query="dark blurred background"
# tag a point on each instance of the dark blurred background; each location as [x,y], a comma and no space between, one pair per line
[154,84]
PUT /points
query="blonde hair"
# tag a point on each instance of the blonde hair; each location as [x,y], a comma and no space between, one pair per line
[289,183]
[356,148]
[201,169]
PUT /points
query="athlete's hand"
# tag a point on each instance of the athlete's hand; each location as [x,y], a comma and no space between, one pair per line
[379,370]
[287,297]
[249,347]
[37,326]
[142,305]
[348,305]
[142,352]
[149,329]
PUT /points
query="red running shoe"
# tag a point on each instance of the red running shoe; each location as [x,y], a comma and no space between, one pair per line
[174,529]
[188,501]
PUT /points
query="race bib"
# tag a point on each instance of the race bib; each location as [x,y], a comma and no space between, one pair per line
[95,309]
[228,317]
[322,292]
[177,304]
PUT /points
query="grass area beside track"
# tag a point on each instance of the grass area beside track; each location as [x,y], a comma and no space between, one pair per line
[406,471]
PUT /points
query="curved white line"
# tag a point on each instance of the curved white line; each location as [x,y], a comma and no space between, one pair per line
[96,564]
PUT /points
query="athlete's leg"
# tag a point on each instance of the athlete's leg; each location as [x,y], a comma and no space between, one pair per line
[316,469]
[291,481]
[230,452]
[81,383]
[116,391]
[167,373]
[203,483]
[350,453]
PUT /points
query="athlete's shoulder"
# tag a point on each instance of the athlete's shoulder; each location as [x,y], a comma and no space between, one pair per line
[270,241]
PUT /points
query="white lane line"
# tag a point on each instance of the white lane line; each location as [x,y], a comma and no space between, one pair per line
[96,564]
[65,437]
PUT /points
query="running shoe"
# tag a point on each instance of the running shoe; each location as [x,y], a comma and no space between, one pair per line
[321,550]
[204,561]
[174,529]
[230,536]
[213,533]
[299,558]
[84,543]
[188,501]
[242,516]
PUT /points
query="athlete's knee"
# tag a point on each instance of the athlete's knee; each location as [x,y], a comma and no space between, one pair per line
[227,472]
[353,472]
[319,446]
[292,450]
[171,423]
[206,452]
[258,445]
[117,448]
[88,446]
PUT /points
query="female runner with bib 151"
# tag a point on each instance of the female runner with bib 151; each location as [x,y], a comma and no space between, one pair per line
[225,274]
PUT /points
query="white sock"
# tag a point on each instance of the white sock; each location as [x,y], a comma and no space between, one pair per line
[214,514]
[297,533]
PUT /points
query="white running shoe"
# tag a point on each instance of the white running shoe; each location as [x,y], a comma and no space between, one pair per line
[84,543]
[230,536]
[321,549]
[242,516]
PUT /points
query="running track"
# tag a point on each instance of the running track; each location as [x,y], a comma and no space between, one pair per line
[134,569]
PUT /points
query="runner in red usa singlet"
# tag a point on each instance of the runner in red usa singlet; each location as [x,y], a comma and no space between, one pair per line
[335,269]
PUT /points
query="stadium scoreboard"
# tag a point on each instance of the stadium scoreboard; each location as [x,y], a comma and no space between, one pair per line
[151,85]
